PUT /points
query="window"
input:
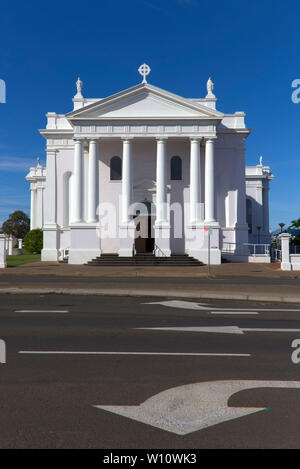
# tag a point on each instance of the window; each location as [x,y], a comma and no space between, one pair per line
[249,214]
[115,168]
[176,168]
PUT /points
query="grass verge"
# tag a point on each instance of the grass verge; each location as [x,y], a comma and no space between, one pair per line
[15,261]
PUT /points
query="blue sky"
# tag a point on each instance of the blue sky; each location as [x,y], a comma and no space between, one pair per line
[251,50]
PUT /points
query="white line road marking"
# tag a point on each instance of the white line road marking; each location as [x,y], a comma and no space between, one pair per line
[205,307]
[186,409]
[178,354]
[217,329]
[41,311]
[213,329]
[233,312]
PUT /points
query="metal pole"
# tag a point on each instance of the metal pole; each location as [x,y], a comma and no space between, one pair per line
[208,263]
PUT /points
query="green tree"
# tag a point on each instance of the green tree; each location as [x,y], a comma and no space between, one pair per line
[33,241]
[17,225]
[295,224]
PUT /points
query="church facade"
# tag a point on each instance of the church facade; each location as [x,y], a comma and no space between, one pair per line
[145,170]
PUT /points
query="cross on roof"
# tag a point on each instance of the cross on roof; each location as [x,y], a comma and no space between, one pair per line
[144,70]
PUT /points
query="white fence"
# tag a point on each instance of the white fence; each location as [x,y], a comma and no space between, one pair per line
[246,252]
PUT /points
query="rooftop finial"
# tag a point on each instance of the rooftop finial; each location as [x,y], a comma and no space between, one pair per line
[260,161]
[38,161]
[210,87]
[144,70]
[79,88]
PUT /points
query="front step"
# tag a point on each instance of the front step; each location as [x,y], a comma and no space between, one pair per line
[144,260]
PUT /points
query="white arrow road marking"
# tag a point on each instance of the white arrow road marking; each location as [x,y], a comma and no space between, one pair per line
[217,329]
[205,307]
[189,408]
[40,311]
[176,354]
[178,304]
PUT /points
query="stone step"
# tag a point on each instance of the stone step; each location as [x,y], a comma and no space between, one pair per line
[144,259]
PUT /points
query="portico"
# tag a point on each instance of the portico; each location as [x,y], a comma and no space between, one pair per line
[198,219]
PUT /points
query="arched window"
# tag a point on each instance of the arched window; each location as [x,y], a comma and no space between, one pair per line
[176,168]
[115,168]
[249,214]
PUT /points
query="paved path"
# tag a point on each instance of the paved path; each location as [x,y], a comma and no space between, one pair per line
[233,270]
[228,281]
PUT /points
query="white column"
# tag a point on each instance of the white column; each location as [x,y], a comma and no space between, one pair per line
[78,182]
[51,184]
[209,182]
[126,179]
[10,245]
[39,207]
[2,251]
[161,182]
[285,251]
[266,227]
[32,208]
[195,178]
[93,181]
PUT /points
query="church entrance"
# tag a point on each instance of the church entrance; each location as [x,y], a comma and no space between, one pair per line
[144,240]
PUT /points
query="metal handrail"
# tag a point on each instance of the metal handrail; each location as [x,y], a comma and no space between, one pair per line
[229,248]
[157,248]
[133,250]
[64,253]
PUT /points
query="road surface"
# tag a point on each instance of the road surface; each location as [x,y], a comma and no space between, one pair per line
[130,372]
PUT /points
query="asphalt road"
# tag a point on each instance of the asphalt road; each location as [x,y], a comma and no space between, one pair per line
[48,399]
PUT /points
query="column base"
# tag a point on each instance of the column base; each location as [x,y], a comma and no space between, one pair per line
[50,243]
[127,236]
[286,266]
[202,255]
[81,256]
[49,255]
[81,236]
[197,242]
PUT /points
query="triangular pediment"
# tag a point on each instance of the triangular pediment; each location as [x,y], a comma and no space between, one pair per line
[144,102]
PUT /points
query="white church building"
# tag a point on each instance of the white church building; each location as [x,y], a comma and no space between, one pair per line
[148,171]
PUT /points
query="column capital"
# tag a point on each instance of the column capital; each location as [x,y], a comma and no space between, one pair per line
[210,139]
[52,150]
[78,139]
[195,139]
[127,139]
[93,140]
[162,138]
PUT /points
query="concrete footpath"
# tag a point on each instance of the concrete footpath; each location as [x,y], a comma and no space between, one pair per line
[261,282]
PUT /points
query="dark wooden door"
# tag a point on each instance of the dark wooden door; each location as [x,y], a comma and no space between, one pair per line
[143,240]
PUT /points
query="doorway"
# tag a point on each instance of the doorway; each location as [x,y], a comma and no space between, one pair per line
[144,239]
